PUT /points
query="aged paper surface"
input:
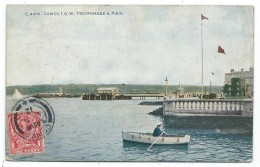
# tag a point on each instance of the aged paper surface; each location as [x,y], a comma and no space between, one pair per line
[99,73]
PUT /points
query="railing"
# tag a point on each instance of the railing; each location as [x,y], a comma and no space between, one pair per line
[209,106]
[144,94]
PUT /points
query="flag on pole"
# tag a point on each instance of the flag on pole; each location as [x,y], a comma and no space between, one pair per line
[221,50]
[203,17]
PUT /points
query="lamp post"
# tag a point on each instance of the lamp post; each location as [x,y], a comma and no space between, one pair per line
[123,92]
[166,83]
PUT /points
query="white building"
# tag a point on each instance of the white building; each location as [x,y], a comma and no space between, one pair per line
[239,83]
[113,91]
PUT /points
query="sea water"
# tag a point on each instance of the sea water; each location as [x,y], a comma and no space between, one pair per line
[92,131]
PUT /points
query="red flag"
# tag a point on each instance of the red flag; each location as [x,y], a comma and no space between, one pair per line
[203,17]
[221,50]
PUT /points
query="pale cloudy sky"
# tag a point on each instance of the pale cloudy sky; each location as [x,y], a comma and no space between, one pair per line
[142,46]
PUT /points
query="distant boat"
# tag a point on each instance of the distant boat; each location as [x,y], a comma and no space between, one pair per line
[148,138]
[59,94]
[17,95]
[55,95]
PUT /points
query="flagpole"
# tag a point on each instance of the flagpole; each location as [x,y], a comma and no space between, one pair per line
[201,58]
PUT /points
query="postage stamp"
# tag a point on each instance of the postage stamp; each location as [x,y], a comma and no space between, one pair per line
[30,121]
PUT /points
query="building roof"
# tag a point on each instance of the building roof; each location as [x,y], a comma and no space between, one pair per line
[241,74]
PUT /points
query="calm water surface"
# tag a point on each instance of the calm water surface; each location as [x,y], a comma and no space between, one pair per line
[91,131]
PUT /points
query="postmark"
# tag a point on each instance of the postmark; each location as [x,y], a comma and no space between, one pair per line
[18,145]
[32,118]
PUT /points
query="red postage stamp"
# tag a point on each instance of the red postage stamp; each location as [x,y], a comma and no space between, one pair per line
[29,124]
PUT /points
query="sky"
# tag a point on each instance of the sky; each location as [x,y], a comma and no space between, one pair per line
[144,45]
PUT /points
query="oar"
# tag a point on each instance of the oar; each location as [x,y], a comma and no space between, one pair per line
[155,141]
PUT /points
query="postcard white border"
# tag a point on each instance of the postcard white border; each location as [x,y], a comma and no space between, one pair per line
[3,3]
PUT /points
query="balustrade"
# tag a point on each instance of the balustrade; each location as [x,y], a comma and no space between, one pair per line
[202,106]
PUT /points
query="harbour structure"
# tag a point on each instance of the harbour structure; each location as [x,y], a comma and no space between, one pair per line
[239,83]
[114,93]
[104,93]
[144,95]
[180,92]
[208,113]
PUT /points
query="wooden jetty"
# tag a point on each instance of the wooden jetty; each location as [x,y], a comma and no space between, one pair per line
[145,95]
[115,94]
[128,96]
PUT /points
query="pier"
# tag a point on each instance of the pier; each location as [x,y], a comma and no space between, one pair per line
[208,113]
[127,96]
[145,95]
[115,94]
[209,106]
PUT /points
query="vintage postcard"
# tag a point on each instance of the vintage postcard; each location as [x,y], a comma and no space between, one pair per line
[136,83]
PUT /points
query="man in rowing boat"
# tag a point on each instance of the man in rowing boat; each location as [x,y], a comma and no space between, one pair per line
[158,132]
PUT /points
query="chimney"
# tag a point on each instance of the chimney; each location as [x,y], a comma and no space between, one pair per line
[232,70]
[251,68]
[242,70]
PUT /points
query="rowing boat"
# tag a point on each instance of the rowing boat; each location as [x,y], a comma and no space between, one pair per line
[148,138]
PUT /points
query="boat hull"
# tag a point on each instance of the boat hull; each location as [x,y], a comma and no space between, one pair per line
[147,138]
